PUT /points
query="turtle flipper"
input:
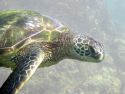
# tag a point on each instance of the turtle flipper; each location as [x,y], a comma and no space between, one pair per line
[23,71]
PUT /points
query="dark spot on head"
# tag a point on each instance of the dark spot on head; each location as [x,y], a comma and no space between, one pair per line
[82,48]
[79,40]
[85,41]
[82,54]
[79,45]
[87,53]
[77,51]
[86,47]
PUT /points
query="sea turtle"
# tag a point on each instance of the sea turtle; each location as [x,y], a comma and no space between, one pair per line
[29,40]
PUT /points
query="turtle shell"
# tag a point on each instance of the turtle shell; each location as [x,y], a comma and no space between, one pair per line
[17,26]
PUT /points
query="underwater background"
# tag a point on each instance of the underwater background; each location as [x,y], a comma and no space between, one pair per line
[104,20]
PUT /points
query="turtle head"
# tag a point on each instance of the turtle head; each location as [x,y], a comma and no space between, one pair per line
[85,48]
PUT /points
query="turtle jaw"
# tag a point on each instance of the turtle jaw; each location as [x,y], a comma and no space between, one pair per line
[101,57]
[97,51]
[98,57]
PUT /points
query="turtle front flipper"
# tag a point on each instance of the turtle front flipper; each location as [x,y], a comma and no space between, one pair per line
[24,70]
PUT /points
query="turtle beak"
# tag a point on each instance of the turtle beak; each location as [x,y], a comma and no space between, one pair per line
[99,57]
[98,52]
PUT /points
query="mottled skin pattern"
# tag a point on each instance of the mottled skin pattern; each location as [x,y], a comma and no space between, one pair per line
[87,47]
[29,40]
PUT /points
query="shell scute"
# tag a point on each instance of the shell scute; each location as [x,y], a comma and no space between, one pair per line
[17,26]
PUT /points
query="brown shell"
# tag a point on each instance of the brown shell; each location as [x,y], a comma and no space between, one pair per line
[18,26]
